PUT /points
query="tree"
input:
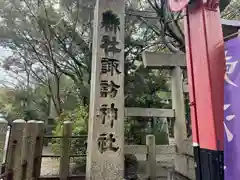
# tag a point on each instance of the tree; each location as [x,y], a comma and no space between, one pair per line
[52,40]
[59,40]
[232,10]
[168,25]
[13,105]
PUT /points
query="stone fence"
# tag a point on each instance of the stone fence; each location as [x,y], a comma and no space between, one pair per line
[24,154]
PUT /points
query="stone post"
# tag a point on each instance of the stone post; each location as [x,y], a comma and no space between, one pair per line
[38,149]
[3,138]
[151,157]
[13,161]
[28,149]
[65,150]
[180,129]
[105,156]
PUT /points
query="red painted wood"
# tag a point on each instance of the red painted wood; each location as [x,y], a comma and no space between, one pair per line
[206,64]
[217,70]
[191,87]
[177,5]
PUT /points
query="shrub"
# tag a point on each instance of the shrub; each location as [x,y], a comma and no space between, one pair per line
[136,130]
[79,117]
[135,133]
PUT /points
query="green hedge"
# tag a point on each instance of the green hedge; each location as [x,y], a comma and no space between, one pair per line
[135,133]
[79,117]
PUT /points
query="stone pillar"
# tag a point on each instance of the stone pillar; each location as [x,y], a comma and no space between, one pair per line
[180,129]
[105,156]
[4,133]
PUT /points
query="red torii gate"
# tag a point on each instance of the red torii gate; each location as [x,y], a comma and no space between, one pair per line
[206,68]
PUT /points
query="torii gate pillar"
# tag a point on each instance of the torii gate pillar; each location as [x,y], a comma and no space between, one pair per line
[206,68]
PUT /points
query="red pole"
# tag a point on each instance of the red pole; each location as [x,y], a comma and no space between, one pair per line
[206,68]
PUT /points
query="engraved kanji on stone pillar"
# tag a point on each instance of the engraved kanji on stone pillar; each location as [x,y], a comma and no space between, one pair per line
[105,156]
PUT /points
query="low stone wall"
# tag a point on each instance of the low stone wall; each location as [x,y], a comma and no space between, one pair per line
[185,165]
[184,160]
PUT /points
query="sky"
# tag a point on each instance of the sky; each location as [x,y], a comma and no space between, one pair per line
[3,54]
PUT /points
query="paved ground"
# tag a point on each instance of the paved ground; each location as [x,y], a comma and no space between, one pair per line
[50,166]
